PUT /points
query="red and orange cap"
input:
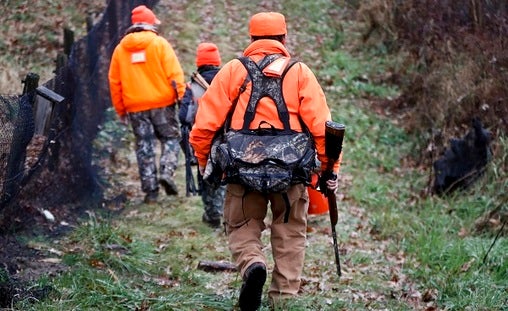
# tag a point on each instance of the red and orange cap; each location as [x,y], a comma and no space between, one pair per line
[207,54]
[142,14]
[267,24]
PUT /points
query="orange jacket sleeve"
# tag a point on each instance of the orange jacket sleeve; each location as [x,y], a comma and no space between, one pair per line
[115,85]
[173,69]
[214,106]
[314,110]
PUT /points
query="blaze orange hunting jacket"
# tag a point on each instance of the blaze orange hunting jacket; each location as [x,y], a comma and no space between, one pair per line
[302,93]
[141,72]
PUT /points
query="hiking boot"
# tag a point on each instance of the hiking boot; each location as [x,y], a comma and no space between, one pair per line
[151,197]
[212,222]
[169,185]
[252,287]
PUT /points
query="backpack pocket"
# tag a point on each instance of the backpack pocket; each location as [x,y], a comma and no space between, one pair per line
[266,161]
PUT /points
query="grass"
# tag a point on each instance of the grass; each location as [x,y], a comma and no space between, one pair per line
[401,249]
[439,234]
[31,36]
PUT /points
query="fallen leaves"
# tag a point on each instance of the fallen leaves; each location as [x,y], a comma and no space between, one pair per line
[467,265]
[163,281]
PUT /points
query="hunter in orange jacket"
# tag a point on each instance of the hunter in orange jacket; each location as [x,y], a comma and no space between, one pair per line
[245,210]
[147,82]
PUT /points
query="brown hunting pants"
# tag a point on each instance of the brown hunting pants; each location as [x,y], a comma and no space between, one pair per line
[244,215]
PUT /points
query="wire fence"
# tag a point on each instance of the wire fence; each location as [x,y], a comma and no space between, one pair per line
[46,133]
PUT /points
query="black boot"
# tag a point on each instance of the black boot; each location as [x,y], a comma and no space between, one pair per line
[169,185]
[151,197]
[252,287]
[212,222]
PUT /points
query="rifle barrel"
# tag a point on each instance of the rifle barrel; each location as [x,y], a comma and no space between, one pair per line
[332,206]
[190,185]
[336,251]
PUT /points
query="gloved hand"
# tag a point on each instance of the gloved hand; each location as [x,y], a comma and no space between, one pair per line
[328,182]
[124,119]
[204,170]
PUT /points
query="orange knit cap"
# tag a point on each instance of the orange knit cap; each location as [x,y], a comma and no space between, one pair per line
[142,14]
[207,54]
[267,24]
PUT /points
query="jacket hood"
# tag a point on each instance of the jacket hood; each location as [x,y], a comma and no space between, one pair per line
[266,46]
[138,40]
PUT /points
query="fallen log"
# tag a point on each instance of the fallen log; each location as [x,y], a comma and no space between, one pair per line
[216,266]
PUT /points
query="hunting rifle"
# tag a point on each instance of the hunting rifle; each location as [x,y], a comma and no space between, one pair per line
[334,135]
[190,185]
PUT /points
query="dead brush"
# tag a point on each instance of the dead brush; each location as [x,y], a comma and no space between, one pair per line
[459,65]
[377,16]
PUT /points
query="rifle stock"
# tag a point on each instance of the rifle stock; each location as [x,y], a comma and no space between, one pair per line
[334,135]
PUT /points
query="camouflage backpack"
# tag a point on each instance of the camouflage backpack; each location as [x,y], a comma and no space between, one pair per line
[266,159]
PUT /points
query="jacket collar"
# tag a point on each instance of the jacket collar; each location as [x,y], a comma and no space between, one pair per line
[266,47]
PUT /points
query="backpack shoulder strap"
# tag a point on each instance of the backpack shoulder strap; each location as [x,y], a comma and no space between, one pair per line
[197,90]
[266,86]
[242,88]
[198,78]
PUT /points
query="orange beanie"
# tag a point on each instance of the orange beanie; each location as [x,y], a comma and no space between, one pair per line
[267,24]
[142,14]
[207,54]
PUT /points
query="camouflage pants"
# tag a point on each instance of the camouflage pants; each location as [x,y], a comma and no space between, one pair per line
[147,126]
[213,201]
